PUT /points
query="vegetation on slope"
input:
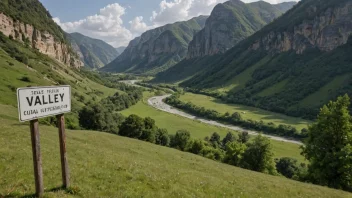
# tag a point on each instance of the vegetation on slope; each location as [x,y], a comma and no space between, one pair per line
[34,13]
[296,76]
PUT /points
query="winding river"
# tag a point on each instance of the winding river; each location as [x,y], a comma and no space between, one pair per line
[157,102]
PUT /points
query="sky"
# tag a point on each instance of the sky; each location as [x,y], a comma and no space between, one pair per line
[119,21]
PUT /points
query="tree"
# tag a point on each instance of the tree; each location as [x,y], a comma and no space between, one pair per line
[215,140]
[230,137]
[162,138]
[196,146]
[180,140]
[132,127]
[259,156]
[329,146]
[287,166]
[149,131]
[243,137]
[234,153]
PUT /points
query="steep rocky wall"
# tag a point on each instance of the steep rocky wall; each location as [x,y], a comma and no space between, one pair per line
[43,41]
[326,32]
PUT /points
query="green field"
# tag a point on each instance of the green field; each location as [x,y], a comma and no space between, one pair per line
[197,129]
[246,112]
[105,165]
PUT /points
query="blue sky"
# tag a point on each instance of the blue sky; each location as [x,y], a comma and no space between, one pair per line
[119,21]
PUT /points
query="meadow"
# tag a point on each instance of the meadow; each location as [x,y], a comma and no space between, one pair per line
[106,165]
[246,111]
[199,130]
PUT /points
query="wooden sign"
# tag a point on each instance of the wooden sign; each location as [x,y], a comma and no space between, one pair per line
[40,102]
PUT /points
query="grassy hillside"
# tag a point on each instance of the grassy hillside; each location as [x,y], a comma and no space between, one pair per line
[94,53]
[105,165]
[246,112]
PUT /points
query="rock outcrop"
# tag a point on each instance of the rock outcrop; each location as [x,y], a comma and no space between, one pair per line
[325,32]
[230,23]
[43,41]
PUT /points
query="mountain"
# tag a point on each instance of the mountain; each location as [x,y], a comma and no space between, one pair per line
[293,65]
[230,23]
[120,49]
[93,52]
[30,23]
[285,6]
[158,49]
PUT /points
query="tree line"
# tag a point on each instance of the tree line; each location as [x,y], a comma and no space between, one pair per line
[236,119]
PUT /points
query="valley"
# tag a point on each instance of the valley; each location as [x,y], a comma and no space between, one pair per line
[197,98]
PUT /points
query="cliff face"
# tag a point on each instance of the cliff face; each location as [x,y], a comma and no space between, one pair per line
[157,49]
[41,40]
[325,32]
[230,23]
[94,53]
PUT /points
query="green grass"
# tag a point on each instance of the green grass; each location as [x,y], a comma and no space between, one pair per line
[200,130]
[249,112]
[105,165]
[276,88]
[323,95]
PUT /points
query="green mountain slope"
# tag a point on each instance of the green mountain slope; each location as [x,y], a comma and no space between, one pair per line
[230,23]
[106,165]
[93,52]
[291,68]
[158,49]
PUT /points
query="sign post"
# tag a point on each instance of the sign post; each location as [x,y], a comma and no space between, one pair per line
[64,163]
[40,102]
[37,158]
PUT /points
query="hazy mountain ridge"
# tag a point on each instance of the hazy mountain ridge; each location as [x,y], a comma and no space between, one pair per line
[157,49]
[93,52]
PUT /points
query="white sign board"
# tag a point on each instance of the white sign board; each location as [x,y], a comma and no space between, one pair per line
[40,102]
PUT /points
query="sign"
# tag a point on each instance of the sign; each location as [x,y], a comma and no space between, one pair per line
[40,102]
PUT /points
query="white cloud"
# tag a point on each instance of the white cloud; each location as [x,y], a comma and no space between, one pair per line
[107,25]
[180,10]
[137,26]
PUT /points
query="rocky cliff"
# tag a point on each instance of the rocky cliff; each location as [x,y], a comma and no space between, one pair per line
[230,23]
[94,53]
[158,49]
[43,41]
[326,32]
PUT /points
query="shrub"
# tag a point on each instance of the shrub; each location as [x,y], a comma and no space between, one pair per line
[180,140]
[162,138]
[25,79]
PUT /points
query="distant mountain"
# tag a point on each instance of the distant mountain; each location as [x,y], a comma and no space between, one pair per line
[158,49]
[93,52]
[285,6]
[293,65]
[120,49]
[230,23]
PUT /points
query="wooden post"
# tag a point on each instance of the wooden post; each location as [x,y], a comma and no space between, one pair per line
[37,158]
[64,163]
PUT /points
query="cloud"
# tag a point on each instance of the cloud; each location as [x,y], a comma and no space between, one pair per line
[137,26]
[107,25]
[180,10]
